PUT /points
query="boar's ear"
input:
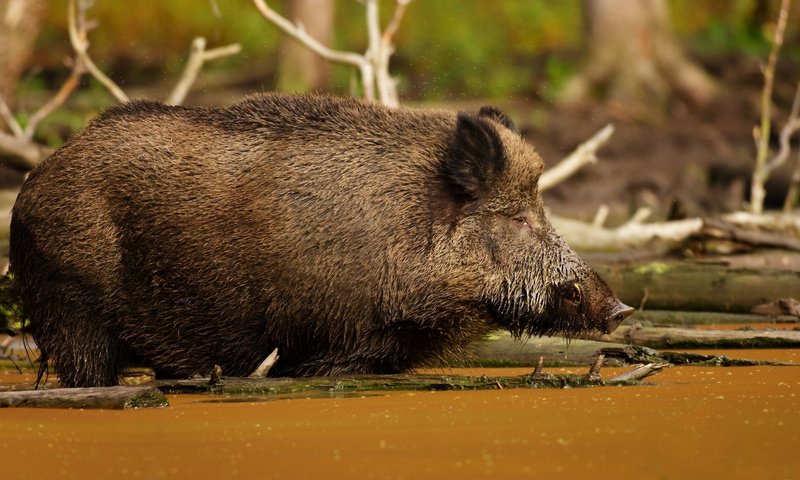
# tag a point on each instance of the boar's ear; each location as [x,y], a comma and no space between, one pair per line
[475,156]
[498,116]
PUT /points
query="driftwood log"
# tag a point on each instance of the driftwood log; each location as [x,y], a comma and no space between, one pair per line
[118,398]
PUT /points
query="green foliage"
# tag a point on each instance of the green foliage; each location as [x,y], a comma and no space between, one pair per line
[445,49]
[10,308]
[482,48]
[558,70]
[724,37]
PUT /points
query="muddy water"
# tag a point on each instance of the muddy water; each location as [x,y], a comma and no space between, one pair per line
[695,422]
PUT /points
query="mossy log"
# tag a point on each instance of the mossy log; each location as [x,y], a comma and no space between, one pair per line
[633,354]
[686,285]
[659,318]
[658,337]
[500,349]
[118,398]
[340,386]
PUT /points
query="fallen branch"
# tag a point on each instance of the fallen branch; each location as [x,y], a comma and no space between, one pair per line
[118,398]
[585,153]
[756,238]
[585,236]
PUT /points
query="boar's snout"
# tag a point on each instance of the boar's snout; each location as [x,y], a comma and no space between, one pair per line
[591,305]
[617,315]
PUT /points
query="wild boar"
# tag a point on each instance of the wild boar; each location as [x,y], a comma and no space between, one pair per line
[353,237]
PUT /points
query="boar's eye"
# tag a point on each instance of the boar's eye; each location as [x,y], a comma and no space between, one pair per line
[522,222]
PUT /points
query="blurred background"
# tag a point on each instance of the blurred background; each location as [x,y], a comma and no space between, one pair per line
[681,80]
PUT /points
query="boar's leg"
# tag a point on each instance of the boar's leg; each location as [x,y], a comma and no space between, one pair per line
[70,323]
[76,341]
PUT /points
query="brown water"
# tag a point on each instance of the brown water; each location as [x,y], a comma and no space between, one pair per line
[695,422]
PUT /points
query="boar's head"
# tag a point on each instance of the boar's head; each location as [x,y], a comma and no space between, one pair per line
[529,280]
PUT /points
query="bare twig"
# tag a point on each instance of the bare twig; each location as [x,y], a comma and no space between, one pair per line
[584,154]
[81,45]
[761,170]
[58,99]
[387,86]
[373,65]
[394,24]
[197,57]
[22,153]
[299,33]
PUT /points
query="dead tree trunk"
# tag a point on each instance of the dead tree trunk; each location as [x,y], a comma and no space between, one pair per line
[20,22]
[634,62]
[300,69]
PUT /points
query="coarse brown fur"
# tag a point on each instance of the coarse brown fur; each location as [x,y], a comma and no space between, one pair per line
[352,237]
